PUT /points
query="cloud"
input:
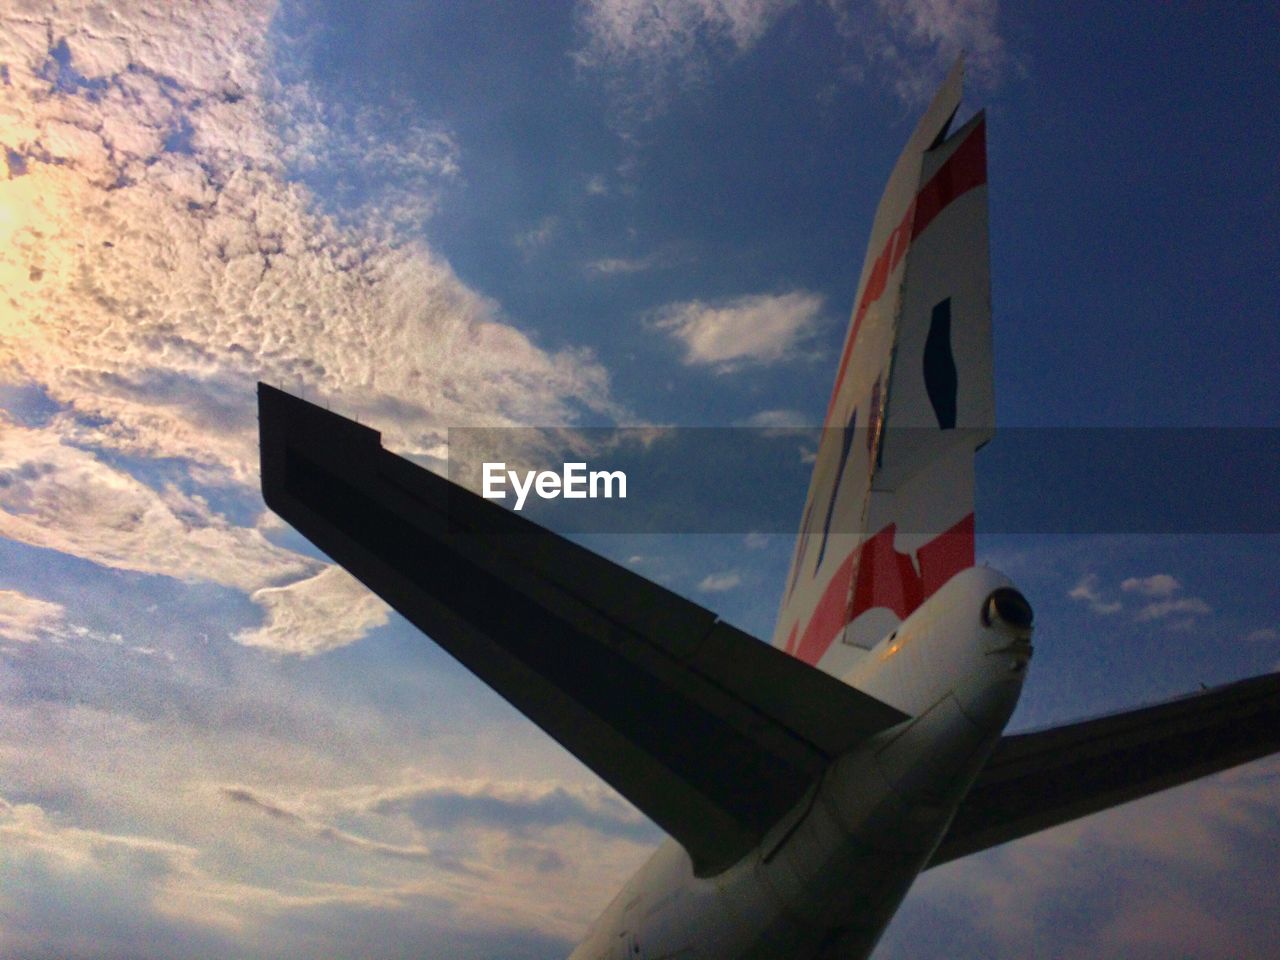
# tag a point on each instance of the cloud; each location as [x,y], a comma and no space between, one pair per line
[1086,591]
[1164,608]
[159,256]
[542,854]
[759,329]
[161,249]
[320,613]
[537,236]
[1161,587]
[26,619]
[296,864]
[28,824]
[621,266]
[60,497]
[780,420]
[1261,635]
[304,862]
[1203,851]
[170,274]
[652,51]
[911,43]
[662,46]
[381,166]
[542,859]
[70,865]
[719,582]
[1156,585]
[245,796]
[517,808]
[134,895]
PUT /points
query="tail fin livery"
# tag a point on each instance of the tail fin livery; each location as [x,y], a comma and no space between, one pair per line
[889,515]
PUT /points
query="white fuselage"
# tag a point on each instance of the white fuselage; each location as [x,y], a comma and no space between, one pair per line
[829,877]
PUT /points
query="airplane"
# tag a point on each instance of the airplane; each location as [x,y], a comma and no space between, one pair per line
[805,783]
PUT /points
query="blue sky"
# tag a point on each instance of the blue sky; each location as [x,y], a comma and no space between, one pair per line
[594,213]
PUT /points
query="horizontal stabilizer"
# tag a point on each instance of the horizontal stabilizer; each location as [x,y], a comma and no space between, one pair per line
[711,733]
[1038,780]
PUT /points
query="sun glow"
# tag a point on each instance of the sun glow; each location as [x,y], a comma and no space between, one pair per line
[28,238]
[12,213]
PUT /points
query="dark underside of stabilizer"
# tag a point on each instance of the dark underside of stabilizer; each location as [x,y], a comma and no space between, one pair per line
[1038,780]
[709,732]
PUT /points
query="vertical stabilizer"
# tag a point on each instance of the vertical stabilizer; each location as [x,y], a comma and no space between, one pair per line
[889,515]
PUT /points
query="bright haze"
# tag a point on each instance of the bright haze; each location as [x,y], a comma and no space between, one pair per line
[214,742]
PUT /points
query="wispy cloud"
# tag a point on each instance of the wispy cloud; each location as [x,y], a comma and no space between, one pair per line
[272,808]
[662,46]
[382,165]
[520,808]
[1156,585]
[75,861]
[909,44]
[671,28]
[452,857]
[64,498]
[137,895]
[1148,874]
[720,582]
[757,329]
[621,266]
[1086,591]
[25,619]
[537,237]
[61,497]
[781,420]
[1165,608]
[653,50]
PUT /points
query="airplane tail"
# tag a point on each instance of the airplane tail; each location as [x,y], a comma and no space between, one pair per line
[889,515]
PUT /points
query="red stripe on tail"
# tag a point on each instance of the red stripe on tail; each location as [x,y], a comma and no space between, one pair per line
[875,574]
[964,170]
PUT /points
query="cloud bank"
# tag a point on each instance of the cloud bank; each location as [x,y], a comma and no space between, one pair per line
[159,258]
